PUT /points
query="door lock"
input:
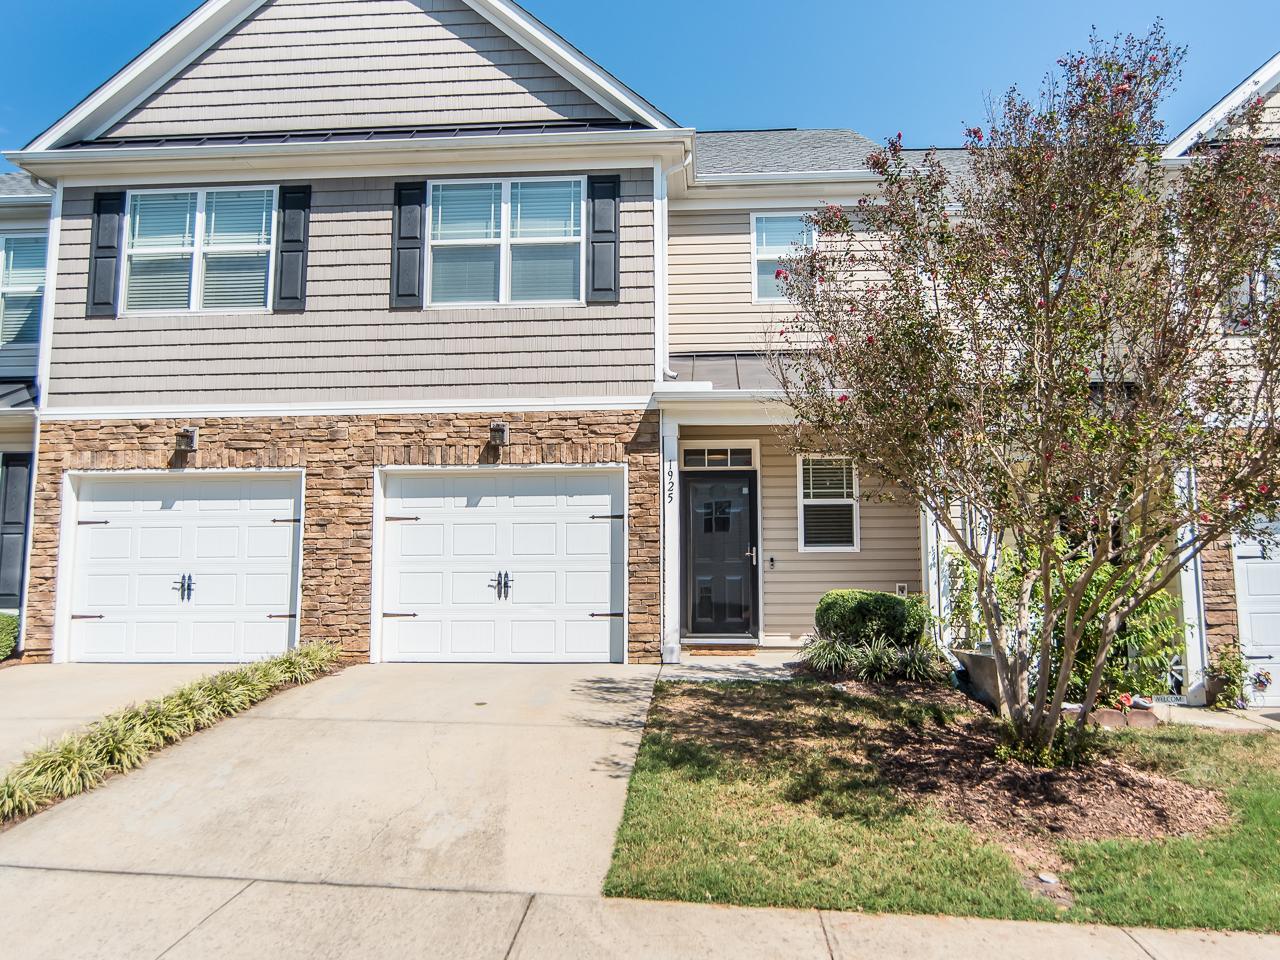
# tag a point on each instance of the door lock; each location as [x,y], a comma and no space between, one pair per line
[752,554]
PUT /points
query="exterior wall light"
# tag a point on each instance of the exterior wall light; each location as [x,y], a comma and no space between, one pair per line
[188,440]
[499,434]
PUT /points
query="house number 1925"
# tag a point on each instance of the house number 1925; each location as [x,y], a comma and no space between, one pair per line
[671,482]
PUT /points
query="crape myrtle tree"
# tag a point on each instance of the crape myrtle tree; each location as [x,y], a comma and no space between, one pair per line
[1043,338]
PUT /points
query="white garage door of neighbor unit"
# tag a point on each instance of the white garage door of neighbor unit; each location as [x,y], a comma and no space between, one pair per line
[504,565]
[1258,598]
[184,569]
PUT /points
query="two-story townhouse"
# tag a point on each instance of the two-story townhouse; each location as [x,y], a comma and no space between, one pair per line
[24,229]
[402,323]
[1232,591]
[353,338]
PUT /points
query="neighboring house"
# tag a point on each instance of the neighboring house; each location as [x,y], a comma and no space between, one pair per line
[24,241]
[363,333]
[1232,593]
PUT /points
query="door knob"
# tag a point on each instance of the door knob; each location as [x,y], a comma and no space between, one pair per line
[752,554]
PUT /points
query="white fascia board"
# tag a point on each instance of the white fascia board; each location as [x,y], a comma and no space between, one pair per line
[1260,83]
[567,150]
[345,408]
[606,90]
[146,72]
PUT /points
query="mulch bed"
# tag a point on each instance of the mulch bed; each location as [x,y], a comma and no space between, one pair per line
[1029,809]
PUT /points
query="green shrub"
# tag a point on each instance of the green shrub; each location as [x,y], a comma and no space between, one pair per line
[856,616]
[8,634]
[825,654]
[876,661]
[65,768]
[124,740]
[21,796]
[121,743]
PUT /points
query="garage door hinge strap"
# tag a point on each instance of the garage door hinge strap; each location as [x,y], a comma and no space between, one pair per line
[292,520]
[87,616]
[282,616]
[606,615]
[93,523]
[608,516]
[401,519]
[400,616]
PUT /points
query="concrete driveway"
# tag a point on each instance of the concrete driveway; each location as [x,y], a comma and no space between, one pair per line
[495,778]
[41,701]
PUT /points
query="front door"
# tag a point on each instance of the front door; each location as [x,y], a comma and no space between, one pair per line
[720,554]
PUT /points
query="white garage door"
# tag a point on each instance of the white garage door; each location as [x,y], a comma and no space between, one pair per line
[1258,600]
[503,565]
[184,569]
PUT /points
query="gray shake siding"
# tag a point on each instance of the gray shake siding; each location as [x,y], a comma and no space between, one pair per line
[348,345]
[344,64]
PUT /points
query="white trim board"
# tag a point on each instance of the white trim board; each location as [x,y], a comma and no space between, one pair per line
[202,29]
[1261,82]
[340,408]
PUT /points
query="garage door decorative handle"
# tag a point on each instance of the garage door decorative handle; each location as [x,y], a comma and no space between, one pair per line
[399,616]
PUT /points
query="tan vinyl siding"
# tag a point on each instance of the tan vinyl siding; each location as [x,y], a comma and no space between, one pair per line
[350,64]
[890,541]
[711,265]
[348,345]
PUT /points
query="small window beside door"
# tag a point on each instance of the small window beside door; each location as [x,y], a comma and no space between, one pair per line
[828,489]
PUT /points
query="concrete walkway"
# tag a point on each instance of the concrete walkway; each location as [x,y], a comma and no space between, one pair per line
[765,665]
[90,915]
[39,702]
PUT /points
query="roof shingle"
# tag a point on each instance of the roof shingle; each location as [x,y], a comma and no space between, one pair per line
[781,151]
[21,185]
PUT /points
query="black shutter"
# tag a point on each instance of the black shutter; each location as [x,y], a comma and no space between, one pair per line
[291,258]
[407,253]
[602,238]
[104,254]
[15,487]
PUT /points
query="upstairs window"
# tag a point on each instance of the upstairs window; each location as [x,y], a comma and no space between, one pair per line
[828,489]
[774,237]
[199,250]
[22,266]
[506,241]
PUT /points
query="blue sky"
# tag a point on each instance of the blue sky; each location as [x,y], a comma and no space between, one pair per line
[923,68]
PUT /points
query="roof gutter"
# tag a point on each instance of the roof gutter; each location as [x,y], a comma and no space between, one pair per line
[84,156]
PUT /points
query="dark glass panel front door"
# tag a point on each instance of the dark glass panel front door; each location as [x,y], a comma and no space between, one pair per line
[720,554]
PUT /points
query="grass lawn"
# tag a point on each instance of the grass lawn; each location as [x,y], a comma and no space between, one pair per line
[776,794]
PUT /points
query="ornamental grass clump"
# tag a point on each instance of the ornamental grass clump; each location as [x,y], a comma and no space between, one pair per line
[124,740]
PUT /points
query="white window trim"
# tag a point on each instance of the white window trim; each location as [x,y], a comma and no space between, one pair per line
[505,241]
[801,502]
[23,291]
[755,252]
[752,445]
[197,250]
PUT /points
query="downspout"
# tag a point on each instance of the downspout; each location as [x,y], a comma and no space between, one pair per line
[662,308]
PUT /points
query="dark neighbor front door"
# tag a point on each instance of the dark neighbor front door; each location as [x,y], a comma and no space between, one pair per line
[720,554]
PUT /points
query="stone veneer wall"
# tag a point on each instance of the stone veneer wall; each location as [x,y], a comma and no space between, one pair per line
[339,454]
[1218,571]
